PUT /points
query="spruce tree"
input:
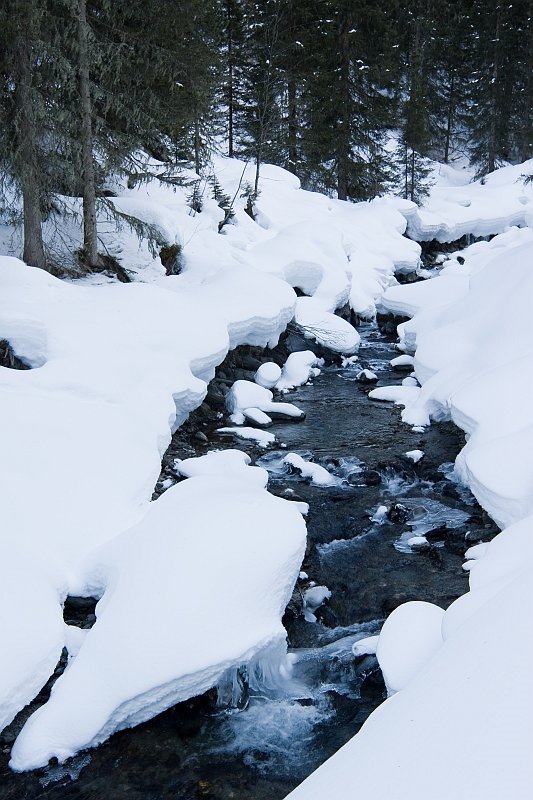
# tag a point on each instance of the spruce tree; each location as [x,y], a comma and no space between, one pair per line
[347,102]
[23,99]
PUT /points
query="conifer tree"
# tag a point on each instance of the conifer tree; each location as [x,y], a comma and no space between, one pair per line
[347,103]
[23,108]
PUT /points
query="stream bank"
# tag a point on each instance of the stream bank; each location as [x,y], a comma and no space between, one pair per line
[197,749]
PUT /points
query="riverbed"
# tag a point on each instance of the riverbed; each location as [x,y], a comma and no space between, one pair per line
[259,744]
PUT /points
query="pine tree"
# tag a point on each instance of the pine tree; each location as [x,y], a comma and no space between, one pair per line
[492,85]
[23,106]
[415,130]
[347,100]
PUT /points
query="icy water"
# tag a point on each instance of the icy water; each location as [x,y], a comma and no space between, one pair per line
[266,740]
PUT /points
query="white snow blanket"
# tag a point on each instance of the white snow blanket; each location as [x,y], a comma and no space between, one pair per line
[459,724]
[115,367]
[210,551]
[459,206]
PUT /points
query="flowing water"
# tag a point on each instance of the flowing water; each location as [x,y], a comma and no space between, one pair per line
[278,720]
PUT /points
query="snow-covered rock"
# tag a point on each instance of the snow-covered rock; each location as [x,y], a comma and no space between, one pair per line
[197,587]
[245,398]
[414,455]
[268,375]
[319,476]
[298,369]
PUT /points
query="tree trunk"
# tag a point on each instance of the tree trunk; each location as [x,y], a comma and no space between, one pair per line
[526,143]
[197,146]
[292,122]
[449,120]
[90,234]
[492,145]
[343,149]
[231,98]
[27,166]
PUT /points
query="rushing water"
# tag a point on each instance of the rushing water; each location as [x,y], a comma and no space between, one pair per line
[267,733]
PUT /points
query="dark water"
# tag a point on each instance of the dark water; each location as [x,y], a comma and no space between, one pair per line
[197,750]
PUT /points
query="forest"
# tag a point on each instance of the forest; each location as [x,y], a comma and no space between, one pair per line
[354,97]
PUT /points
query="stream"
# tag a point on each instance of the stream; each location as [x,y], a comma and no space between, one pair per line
[258,742]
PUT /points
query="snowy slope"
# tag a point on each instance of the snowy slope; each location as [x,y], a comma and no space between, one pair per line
[458,725]
[114,369]
[485,207]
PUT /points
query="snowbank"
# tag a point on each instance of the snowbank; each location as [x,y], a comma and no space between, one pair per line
[459,726]
[115,367]
[210,551]
[482,208]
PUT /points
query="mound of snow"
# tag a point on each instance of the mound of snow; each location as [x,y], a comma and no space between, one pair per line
[482,208]
[166,626]
[268,375]
[297,370]
[414,455]
[319,476]
[245,399]
[262,438]
[324,327]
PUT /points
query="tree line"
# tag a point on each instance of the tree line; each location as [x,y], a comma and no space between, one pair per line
[352,95]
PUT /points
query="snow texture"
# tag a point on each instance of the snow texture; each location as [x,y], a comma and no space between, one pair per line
[457,207]
[457,687]
[245,398]
[298,369]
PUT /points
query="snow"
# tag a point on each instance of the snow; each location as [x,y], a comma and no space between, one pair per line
[366,376]
[222,462]
[268,375]
[400,395]
[461,676]
[482,208]
[318,475]
[414,455]
[324,327]
[298,369]
[169,612]
[313,598]
[402,361]
[262,438]
[115,368]
[245,398]
[366,646]
[409,638]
